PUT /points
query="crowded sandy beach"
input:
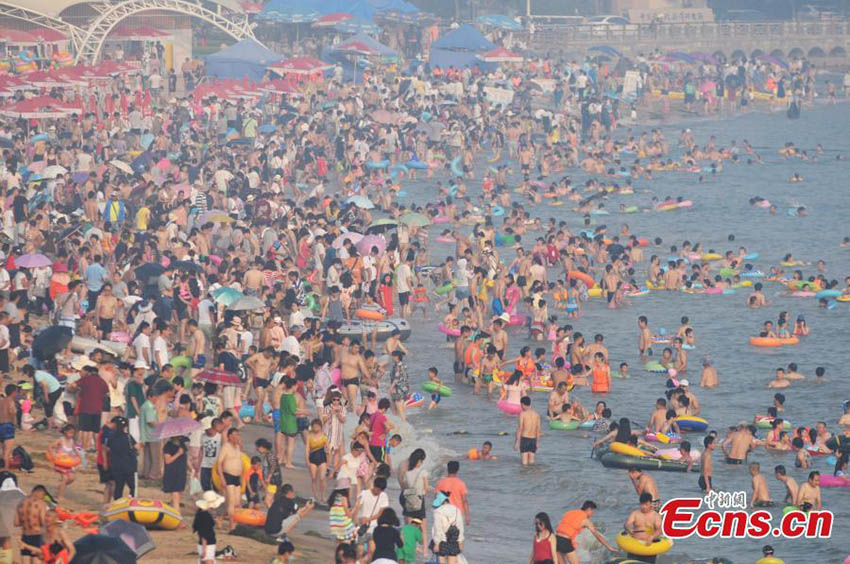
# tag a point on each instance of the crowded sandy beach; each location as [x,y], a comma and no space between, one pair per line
[422,295]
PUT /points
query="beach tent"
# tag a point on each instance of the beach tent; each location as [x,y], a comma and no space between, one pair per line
[464,38]
[460,48]
[384,51]
[245,58]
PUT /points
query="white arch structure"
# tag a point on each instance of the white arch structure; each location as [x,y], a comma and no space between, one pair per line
[87,41]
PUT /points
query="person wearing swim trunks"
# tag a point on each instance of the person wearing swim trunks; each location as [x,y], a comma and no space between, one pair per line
[645,484]
[8,416]
[761,493]
[229,469]
[352,366]
[739,444]
[572,523]
[30,516]
[527,432]
[260,366]
[487,366]
[644,523]
[706,466]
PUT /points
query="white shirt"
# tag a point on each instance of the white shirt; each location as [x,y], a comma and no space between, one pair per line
[160,351]
[403,278]
[142,343]
[444,517]
[4,338]
[371,505]
[204,307]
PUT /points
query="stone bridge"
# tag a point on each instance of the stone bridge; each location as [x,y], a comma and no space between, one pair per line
[828,40]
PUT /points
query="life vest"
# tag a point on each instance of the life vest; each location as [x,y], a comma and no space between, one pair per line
[601,380]
[570,524]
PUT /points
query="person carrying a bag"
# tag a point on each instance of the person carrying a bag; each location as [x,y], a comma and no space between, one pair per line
[447,531]
[413,479]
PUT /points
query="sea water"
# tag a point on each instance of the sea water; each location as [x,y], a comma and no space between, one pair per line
[504,497]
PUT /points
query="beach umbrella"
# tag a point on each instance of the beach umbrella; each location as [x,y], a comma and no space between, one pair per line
[215,376]
[299,66]
[187,266]
[330,20]
[53,171]
[500,55]
[414,219]
[361,202]
[102,549]
[381,226]
[149,270]
[704,57]
[175,427]
[135,536]
[500,21]
[364,247]
[33,260]
[684,57]
[247,303]
[357,25]
[215,215]
[607,49]
[226,295]
[351,236]
[122,166]
[50,341]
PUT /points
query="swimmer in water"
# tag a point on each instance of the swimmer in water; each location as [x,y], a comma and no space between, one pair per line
[795,177]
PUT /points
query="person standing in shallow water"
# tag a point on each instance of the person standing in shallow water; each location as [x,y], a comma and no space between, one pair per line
[528,432]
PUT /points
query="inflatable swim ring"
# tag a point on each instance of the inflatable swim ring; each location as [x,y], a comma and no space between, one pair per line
[508,408]
[639,548]
[250,517]
[414,400]
[435,388]
[369,314]
[583,276]
[378,164]
[691,423]
[628,450]
[448,331]
[558,425]
[773,341]
[63,460]
[655,367]
[767,423]
[444,289]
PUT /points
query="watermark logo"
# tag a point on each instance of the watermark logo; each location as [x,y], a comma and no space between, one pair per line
[726,516]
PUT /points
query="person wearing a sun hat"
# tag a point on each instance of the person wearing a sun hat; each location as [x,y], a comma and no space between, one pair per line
[204,525]
[447,531]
